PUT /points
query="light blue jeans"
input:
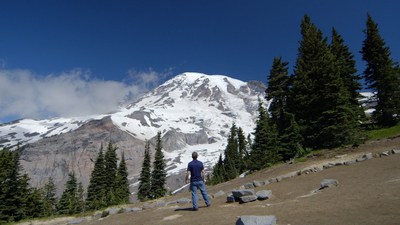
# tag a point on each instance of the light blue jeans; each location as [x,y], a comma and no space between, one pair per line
[198,185]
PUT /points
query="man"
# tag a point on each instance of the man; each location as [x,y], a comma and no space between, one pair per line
[197,180]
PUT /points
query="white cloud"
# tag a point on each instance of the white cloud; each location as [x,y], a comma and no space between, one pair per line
[74,93]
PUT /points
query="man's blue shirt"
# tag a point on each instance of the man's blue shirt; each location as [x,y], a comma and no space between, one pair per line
[195,167]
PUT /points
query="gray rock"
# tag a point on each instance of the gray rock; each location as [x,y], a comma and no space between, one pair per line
[112,211]
[257,183]
[230,198]
[247,198]
[325,183]
[272,180]
[368,156]
[134,209]
[279,179]
[264,194]
[179,201]
[365,157]
[77,221]
[218,194]
[386,153]
[240,193]
[395,151]
[256,220]
[248,185]
[329,165]
[349,162]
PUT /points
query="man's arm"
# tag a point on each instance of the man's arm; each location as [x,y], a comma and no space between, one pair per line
[187,176]
[203,176]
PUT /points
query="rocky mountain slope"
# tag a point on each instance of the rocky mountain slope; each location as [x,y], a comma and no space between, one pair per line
[192,111]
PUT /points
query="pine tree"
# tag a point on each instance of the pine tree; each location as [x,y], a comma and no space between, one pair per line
[319,99]
[232,157]
[80,199]
[242,147]
[158,175]
[96,197]
[68,201]
[145,176]
[265,148]
[10,194]
[110,161]
[347,70]
[277,91]
[121,183]
[49,198]
[381,75]
[218,172]
[290,139]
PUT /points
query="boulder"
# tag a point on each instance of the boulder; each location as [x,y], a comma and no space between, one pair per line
[365,157]
[326,183]
[256,220]
[349,162]
[77,221]
[230,198]
[247,198]
[244,192]
[264,194]
[134,209]
[385,153]
[248,185]
[218,194]
[257,183]
[395,151]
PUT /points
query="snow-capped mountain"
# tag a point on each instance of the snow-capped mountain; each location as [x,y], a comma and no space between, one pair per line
[193,112]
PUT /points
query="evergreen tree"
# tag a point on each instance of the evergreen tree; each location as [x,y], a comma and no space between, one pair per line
[242,147]
[68,201]
[49,198]
[80,199]
[277,91]
[347,70]
[290,139]
[158,175]
[97,185]
[232,157]
[265,148]
[10,194]
[121,184]
[110,161]
[145,176]
[218,172]
[319,99]
[381,75]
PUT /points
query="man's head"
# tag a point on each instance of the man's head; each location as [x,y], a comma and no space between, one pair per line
[194,155]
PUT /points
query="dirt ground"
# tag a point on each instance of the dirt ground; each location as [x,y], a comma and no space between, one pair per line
[368,193]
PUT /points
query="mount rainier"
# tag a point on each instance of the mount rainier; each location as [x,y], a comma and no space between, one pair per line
[193,112]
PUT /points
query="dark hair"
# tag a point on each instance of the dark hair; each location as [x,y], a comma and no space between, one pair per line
[194,155]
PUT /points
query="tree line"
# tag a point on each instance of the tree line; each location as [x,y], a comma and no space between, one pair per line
[18,200]
[318,105]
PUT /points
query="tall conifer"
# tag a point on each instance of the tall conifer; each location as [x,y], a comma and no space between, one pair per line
[121,184]
[96,192]
[381,75]
[145,176]
[158,175]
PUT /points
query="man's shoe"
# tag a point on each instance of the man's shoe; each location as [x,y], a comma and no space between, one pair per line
[208,205]
[195,209]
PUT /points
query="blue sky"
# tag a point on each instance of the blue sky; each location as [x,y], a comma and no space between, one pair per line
[95,54]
